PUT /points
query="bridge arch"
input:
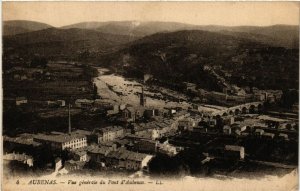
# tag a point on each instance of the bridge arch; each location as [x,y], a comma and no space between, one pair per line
[225,114]
[259,107]
[252,109]
[237,111]
[245,110]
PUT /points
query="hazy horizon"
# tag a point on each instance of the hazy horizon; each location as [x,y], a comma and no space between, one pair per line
[193,13]
[156,21]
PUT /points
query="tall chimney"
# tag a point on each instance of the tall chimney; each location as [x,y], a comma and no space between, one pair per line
[142,98]
[70,119]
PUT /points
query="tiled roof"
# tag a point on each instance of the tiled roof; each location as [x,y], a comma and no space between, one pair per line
[60,138]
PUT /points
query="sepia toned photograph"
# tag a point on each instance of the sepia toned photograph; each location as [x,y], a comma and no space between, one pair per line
[150,96]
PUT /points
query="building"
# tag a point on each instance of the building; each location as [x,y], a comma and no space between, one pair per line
[283,136]
[227,130]
[259,132]
[23,158]
[190,86]
[181,115]
[58,164]
[131,114]
[228,120]
[61,103]
[235,151]
[128,160]
[143,146]
[107,134]
[58,103]
[168,149]
[79,155]
[185,125]
[84,103]
[62,141]
[72,165]
[151,112]
[98,153]
[268,135]
[21,101]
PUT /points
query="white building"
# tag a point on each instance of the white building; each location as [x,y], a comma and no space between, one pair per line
[21,100]
[63,141]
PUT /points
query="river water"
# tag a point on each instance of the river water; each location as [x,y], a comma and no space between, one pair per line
[117,89]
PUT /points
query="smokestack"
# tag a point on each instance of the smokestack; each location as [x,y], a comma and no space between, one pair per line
[142,98]
[70,119]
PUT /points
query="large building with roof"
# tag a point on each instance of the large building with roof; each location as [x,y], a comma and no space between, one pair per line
[62,141]
[107,134]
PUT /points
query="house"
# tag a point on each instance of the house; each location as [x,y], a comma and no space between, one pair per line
[22,142]
[79,155]
[190,86]
[23,158]
[21,101]
[98,153]
[235,151]
[72,165]
[128,160]
[151,112]
[228,120]
[107,134]
[114,110]
[268,135]
[142,129]
[259,132]
[211,122]
[185,124]
[131,114]
[259,96]
[84,103]
[181,115]
[58,164]
[168,149]
[227,130]
[61,103]
[128,114]
[143,146]
[52,103]
[160,129]
[283,136]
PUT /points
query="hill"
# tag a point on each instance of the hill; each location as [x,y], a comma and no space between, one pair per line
[192,55]
[14,27]
[276,35]
[54,42]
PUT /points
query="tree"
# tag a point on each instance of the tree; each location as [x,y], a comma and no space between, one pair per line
[95,92]
[38,61]
[289,97]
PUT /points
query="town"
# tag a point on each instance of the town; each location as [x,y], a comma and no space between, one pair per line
[88,124]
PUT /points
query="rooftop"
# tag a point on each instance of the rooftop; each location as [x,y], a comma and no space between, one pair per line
[107,129]
[25,139]
[60,138]
[98,149]
[233,147]
[125,154]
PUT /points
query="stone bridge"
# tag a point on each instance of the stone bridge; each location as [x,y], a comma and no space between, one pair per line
[240,109]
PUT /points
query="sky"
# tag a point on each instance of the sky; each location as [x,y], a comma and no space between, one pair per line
[60,13]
